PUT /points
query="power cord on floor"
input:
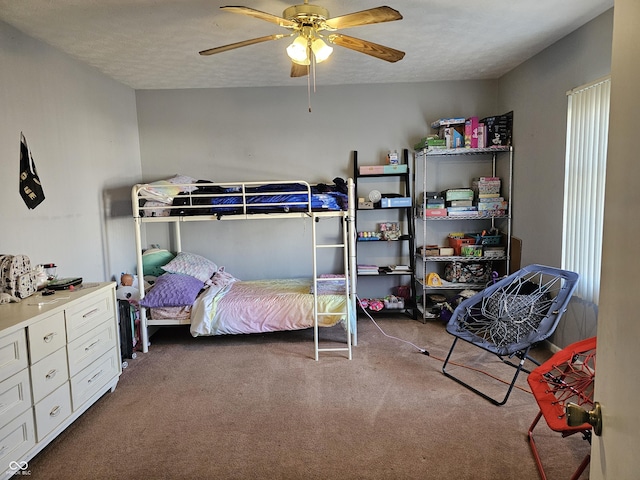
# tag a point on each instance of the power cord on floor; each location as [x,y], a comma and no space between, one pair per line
[424,351]
[421,350]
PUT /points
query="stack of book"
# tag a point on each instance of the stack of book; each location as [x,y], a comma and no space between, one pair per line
[459,202]
[460,211]
[485,186]
[487,192]
[488,207]
[368,270]
[434,203]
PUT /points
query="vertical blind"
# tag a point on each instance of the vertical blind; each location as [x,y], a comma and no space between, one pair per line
[585,171]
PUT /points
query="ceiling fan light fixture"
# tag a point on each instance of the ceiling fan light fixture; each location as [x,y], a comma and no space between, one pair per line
[302,62]
[298,50]
[321,50]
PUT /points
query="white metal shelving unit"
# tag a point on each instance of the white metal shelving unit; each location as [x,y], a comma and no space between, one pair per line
[462,164]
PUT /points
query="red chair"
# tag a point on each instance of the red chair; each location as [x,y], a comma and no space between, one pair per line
[568,376]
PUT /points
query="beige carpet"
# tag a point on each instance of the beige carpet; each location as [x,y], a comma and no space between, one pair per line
[260,406]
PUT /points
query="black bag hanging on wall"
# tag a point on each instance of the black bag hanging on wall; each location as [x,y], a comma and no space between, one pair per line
[30,186]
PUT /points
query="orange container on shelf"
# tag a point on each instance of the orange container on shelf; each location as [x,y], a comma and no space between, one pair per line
[458,242]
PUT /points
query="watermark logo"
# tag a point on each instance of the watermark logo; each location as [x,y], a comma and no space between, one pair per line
[19,468]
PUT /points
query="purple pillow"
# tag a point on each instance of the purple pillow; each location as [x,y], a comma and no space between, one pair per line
[172,290]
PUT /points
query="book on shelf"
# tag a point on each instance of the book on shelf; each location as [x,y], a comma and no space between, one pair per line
[463,213]
[468,208]
[461,203]
[368,270]
[395,269]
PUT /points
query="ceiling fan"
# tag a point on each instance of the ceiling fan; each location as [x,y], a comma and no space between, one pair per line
[308,24]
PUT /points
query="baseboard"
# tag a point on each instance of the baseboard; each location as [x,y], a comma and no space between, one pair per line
[551,346]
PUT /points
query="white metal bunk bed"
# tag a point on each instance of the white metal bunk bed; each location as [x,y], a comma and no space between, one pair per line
[253,201]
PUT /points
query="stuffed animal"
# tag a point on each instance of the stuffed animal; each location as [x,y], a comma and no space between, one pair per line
[127,290]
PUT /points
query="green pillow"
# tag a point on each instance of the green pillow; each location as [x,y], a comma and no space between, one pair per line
[154,259]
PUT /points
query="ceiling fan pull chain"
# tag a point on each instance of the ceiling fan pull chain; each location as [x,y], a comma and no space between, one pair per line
[314,72]
[309,90]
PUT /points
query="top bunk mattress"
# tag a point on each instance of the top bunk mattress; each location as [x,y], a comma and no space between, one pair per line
[180,197]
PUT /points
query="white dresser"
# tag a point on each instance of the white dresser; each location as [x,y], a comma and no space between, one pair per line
[58,355]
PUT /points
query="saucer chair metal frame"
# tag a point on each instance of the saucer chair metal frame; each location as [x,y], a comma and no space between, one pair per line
[509,317]
[568,376]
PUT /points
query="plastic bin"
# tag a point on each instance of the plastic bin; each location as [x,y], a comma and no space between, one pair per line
[457,242]
[480,239]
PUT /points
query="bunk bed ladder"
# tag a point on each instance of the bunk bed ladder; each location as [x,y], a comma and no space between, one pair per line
[347,287]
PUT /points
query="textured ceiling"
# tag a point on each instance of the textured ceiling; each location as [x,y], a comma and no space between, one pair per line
[154,44]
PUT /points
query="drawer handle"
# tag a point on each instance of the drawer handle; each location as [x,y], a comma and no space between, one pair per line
[95,376]
[51,374]
[55,411]
[90,312]
[89,347]
[47,338]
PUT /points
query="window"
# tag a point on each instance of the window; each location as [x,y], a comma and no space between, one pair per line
[585,171]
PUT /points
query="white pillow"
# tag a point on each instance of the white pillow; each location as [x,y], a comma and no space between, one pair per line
[163,191]
[191,264]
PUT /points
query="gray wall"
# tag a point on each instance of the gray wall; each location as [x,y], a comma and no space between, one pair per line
[267,133]
[536,92]
[82,130]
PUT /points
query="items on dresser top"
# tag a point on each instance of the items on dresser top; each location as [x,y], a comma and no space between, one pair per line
[64,283]
[17,278]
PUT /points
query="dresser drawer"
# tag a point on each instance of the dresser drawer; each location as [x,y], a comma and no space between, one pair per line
[85,316]
[94,378]
[48,374]
[15,396]
[46,336]
[16,439]
[90,346]
[13,353]
[52,411]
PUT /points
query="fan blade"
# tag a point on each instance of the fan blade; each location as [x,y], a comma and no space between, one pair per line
[283,22]
[299,70]
[379,51]
[365,17]
[245,43]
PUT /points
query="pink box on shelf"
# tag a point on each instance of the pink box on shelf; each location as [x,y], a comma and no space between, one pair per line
[371,169]
[471,132]
[436,212]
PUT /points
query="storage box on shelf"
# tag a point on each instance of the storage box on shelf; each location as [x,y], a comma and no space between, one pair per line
[479,234]
[385,236]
